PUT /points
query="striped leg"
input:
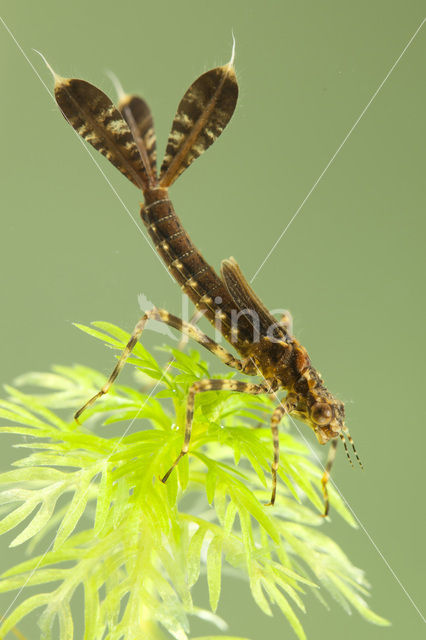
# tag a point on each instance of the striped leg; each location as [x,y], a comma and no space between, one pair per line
[326,475]
[195,318]
[276,418]
[210,385]
[193,332]
[173,321]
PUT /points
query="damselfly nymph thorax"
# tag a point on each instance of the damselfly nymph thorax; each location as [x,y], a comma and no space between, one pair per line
[266,347]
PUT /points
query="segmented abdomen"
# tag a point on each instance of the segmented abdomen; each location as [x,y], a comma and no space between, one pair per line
[195,276]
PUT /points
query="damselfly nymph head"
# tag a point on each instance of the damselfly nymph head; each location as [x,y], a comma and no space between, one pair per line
[323,413]
[328,422]
[327,419]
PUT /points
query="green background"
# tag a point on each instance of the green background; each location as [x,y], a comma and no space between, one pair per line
[350,268]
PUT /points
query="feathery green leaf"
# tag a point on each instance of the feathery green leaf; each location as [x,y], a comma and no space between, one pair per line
[137,546]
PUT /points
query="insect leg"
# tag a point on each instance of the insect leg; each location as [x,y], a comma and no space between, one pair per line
[173,321]
[195,318]
[137,331]
[326,475]
[210,385]
[193,332]
[276,418]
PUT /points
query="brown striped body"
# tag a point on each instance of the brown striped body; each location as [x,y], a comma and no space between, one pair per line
[195,276]
[126,136]
[284,362]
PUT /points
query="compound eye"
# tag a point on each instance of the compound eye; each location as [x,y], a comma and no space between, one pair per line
[321,413]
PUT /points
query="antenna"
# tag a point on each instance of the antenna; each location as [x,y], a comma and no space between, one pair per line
[349,437]
[342,438]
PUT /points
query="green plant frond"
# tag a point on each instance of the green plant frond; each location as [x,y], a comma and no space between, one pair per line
[96,504]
